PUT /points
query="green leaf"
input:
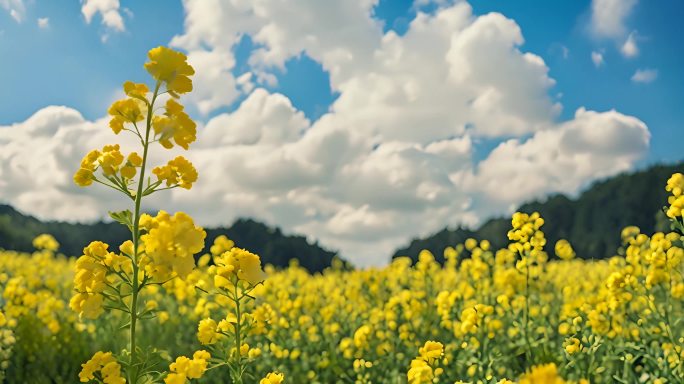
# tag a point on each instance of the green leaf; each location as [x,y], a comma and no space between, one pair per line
[123,217]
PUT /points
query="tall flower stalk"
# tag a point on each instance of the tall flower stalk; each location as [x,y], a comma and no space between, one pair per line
[161,247]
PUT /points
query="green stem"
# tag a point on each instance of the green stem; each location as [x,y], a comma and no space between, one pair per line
[136,242]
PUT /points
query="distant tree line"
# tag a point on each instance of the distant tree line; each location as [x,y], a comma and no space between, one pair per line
[18,230]
[591,223]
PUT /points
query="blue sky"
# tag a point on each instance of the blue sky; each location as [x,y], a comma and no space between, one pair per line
[68,63]
[339,121]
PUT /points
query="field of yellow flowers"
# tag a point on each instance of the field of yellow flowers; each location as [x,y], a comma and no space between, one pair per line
[484,316]
[150,310]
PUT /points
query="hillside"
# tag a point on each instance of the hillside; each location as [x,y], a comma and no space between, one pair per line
[592,222]
[18,230]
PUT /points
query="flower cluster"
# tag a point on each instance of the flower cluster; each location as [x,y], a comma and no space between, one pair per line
[564,250]
[423,368]
[91,279]
[46,242]
[675,185]
[102,367]
[526,235]
[273,378]
[170,242]
[177,172]
[183,368]
[236,274]
[547,374]
[171,68]
[238,264]
[174,124]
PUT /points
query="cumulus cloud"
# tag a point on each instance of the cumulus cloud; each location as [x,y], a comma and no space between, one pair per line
[609,20]
[214,84]
[16,9]
[562,158]
[393,157]
[645,76]
[108,10]
[608,17]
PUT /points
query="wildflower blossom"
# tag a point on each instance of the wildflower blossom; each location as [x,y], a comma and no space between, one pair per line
[178,171]
[273,378]
[171,68]
[170,243]
[238,263]
[106,364]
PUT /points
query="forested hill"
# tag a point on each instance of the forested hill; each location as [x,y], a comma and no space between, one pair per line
[18,230]
[592,222]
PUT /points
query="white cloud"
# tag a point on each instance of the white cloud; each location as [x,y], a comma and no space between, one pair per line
[562,158]
[263,118]
[608,17]
[108,10]
[629,48]
[43,22]
[597,59]
[646,75]
[16,9]
[393,157]
[214,84]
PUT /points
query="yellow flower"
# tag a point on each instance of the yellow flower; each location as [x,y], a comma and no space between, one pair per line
[124,111]
[174,124]
[431,351]
[420,372]
[184,368]
[180,365]
[542,374]
[110,159]
[564,250]
[170,243]
[221,244]
[201,355]
[206,331]
[239,263]
[470,244]
[136,90]
[45,241]
[178,171]
[175,378]
[133,161]
[170,67]
[88,305]
[90,280]
[273,378]
[106,364]
[675,185]
[572,345]
[83,177]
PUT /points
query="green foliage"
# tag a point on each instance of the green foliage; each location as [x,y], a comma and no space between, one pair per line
[591,223]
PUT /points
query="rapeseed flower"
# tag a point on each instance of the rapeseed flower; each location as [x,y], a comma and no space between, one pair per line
[174,124]
[171,68]
[178,172]
[273,378]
